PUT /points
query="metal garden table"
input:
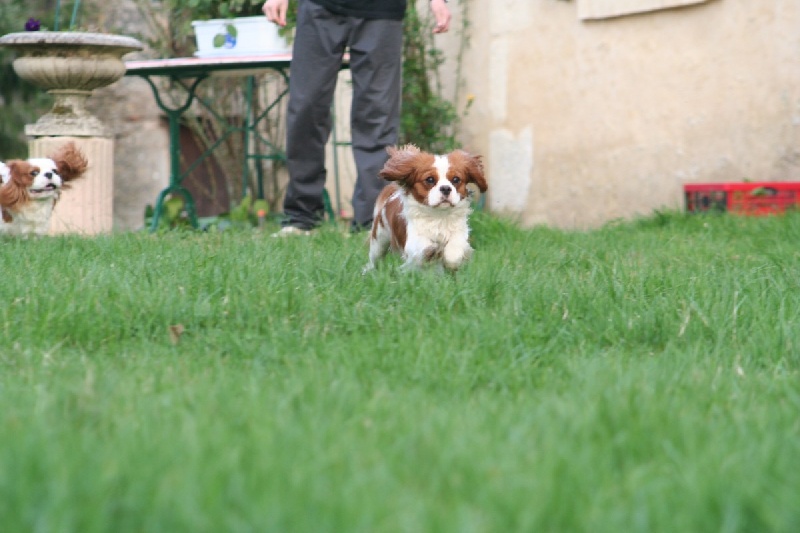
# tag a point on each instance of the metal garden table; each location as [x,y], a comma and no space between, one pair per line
[189,72]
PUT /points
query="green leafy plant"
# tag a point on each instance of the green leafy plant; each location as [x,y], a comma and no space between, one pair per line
[429,119]
[212,9]
[246,214]
[173,215]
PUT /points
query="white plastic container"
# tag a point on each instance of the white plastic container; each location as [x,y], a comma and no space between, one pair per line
[244,36]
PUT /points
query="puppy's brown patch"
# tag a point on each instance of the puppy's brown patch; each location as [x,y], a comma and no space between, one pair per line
[390,205]
[15,192]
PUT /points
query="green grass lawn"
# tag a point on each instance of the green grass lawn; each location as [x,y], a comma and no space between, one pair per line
[644,377]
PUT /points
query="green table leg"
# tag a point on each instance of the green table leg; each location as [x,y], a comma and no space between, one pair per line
[175,177]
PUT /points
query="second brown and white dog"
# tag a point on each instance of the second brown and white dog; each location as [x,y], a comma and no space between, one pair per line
[423,213]
[30,189]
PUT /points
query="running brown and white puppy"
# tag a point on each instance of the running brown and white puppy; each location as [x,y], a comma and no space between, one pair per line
[423,213]
[30,189]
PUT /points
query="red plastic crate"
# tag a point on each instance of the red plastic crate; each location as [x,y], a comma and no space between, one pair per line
[753,198]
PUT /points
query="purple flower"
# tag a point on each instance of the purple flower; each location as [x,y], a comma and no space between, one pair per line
[33,24]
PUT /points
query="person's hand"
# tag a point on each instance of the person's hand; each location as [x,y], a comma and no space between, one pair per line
[442,15]
[275,10]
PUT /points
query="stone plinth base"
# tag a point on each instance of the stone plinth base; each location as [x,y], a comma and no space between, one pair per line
[85,208]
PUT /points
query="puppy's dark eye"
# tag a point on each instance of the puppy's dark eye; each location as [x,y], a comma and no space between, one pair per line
[34,173]
[456,180]
[430,180]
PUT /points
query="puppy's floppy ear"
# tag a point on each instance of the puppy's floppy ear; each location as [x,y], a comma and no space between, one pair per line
[475,171]
[16,190]
[400,163]
[70,161]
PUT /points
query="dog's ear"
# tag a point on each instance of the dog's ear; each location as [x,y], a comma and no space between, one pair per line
[16,190]
[475,172]
[400,164]
[70,161]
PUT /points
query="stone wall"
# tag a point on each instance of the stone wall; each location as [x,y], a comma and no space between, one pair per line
[583,122]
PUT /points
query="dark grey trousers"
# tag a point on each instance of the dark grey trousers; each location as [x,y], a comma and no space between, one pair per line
[375,63]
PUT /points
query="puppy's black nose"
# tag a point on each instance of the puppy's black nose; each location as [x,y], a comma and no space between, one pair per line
[48,175]
[445,189]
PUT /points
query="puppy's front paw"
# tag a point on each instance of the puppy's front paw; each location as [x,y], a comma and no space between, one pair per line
[454,257]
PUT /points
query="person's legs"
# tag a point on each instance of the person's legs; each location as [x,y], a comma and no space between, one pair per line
[376,48]
[320,40]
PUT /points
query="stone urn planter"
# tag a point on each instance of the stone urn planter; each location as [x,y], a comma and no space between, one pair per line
[70,65]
